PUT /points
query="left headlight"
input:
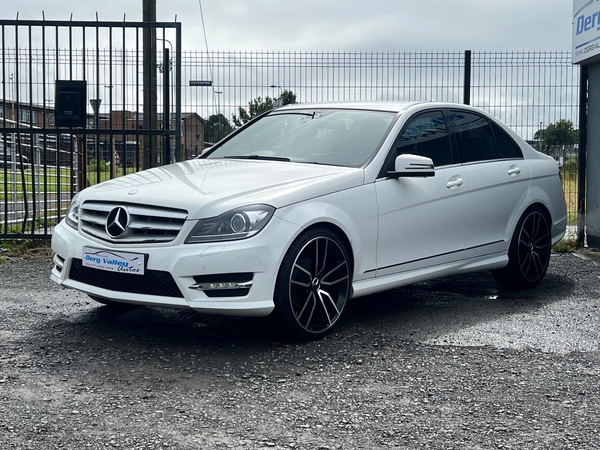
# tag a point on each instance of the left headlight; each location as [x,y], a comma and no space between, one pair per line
[72,216]
[240,223]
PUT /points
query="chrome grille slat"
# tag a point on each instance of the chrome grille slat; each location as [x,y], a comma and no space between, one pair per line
[146,223]
[153,226]
[156,212]
[93,219]
[101,207]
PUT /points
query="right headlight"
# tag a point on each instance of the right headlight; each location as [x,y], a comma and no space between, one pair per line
[72,216]
[240,223]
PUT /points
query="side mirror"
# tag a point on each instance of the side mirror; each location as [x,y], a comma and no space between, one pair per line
[413,166]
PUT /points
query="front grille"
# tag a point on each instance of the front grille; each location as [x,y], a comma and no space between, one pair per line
[153,282]
[146,223]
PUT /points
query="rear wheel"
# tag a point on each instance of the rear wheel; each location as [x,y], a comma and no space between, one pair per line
[313,284]
[529,252]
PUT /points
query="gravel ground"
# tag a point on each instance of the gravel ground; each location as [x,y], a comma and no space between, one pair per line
[456,363]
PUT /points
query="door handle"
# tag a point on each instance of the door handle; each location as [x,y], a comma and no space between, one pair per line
[454,182]
[514,170]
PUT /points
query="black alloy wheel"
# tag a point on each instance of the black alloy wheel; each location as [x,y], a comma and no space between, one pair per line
[529,252]
[313,285]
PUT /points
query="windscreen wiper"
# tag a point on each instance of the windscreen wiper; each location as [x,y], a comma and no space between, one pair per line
[293,113]
[261,157]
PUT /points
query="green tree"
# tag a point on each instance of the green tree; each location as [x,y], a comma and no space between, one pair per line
[558,133]
[260,105]
[216,128]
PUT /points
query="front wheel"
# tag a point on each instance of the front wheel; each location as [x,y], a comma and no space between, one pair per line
[529,252]
[313,284]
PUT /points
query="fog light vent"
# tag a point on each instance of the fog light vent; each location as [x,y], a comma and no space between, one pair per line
[59,263]
[224,285]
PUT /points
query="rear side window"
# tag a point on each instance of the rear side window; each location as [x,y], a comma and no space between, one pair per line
[426,135]
[507,148]
[474,137]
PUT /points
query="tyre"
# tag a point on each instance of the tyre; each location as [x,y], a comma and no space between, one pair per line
[529,251]
[313,285]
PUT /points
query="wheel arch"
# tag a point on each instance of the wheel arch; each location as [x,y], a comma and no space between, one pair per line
[352,218]
[524,211]
[542,206]
[340,234]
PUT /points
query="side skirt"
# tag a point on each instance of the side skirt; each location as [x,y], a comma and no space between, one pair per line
[374,285]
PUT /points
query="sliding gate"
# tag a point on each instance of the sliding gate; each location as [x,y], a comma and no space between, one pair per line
[80,103]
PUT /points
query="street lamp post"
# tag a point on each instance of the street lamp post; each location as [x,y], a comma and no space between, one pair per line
[218,94]
[14,100]
[95,102]
[279,101]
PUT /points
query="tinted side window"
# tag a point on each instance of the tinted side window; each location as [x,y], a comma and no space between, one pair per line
[426,135]
[507,148]
[474,137]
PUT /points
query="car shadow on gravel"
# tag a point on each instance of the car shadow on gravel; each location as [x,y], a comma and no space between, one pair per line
[181,328]
[163,343]
[446,304]
[412,313]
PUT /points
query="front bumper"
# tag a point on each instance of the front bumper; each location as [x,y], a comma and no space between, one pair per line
[211,277]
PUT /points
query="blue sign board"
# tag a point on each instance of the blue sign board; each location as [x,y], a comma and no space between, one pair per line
[586,31]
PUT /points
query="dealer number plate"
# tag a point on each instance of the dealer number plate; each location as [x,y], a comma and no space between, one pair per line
[111,261]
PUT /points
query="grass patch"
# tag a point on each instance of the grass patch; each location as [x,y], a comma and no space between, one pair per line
[31,226]
[24,249]
[49,179]
[566,246]
[570,184]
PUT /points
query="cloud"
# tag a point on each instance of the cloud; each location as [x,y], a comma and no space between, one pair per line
[343,25]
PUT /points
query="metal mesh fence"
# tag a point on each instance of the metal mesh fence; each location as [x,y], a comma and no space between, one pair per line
[71,111]
[526,90]
[239,77]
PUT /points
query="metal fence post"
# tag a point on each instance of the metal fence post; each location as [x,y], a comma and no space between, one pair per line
[166,158]
[467,83]
[583,100]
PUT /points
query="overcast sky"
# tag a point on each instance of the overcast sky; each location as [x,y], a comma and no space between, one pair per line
[345,25]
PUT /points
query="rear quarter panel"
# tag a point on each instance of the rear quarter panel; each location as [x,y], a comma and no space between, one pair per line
[546,188]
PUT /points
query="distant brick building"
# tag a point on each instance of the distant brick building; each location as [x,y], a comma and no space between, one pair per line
[124,145]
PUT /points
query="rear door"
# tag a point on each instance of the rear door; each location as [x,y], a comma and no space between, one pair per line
[499,181]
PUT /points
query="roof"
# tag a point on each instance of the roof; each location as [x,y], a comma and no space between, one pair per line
[382,106]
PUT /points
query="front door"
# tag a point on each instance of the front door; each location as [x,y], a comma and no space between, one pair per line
[422,221]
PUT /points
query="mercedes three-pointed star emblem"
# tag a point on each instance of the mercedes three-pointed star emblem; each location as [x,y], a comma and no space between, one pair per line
[117,221]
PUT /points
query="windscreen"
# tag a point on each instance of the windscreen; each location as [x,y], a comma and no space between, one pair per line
[336,137]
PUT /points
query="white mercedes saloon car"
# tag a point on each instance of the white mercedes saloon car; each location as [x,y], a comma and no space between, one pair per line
[310,205]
